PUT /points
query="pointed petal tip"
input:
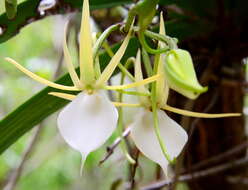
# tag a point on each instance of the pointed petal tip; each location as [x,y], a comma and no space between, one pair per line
[83,159]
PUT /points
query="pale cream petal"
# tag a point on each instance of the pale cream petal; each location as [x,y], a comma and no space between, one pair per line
[40,79]
[139,77]
[88,121]
[108,71]
[162,88]
[63,95]
[135,84]
[85,51]
[68,62]
[144,137]
[122,104]
[198,114]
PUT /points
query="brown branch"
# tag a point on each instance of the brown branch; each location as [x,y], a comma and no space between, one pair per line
[190,134]
[110,149]
[17,172]
[213,160]
[238,179]
[134,169]
[200,174]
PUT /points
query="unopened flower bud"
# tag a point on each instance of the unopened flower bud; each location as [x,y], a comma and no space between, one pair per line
[180,74]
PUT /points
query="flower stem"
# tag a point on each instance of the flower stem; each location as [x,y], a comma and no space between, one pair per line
[171,42]
[157,130]
[147,47]
[147,62]
[155,116]
[120,126]
[102,38]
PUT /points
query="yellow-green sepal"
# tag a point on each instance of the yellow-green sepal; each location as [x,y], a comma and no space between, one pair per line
[180,74]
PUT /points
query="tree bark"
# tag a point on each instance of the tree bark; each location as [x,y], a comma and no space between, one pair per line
[224,73]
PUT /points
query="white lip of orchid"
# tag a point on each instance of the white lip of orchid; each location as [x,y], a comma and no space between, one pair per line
[144,137]
[87,122]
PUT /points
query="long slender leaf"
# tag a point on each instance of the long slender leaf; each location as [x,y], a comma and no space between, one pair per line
[27,12]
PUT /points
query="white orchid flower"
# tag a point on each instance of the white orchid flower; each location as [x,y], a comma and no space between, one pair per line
[145,135]
[154,133]
[145,138]
[90,119]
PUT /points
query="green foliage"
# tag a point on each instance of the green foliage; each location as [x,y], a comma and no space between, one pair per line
[28,10]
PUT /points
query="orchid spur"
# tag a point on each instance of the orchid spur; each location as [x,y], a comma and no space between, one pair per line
[90,119]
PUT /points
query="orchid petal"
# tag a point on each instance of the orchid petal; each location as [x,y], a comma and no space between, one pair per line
[68,62]
[63,95]
[40,79]
[139,77]
[86,52]
[144,137]
[199,115]
[108,71]
[132,85]
[88,121]
[138,72]
[121,104]
[162,88]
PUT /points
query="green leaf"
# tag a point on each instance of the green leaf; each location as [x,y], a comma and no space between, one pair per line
[27,11]
[11,7]
[41,105]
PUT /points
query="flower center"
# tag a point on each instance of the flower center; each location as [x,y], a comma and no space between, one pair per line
[89,89]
